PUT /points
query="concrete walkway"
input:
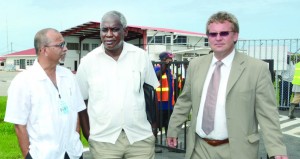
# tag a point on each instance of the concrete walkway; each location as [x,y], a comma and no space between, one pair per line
[5,79]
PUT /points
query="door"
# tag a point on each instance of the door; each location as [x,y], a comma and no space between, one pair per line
[22,64]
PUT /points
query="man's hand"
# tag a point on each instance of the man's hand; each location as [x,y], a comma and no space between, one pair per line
[172,142]
[280,157]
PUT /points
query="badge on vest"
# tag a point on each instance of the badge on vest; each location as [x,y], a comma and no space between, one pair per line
[63,107]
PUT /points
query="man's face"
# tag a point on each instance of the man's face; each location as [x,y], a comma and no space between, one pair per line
[168,60]
[221,37]
[56,50]
[112,33]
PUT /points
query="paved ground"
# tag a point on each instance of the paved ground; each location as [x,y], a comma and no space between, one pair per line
[290,128]
[5,79]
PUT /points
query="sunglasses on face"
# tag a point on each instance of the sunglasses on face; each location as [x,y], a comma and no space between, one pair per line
[61,45]
[222,34]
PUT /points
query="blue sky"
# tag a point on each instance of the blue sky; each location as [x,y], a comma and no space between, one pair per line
[258,19]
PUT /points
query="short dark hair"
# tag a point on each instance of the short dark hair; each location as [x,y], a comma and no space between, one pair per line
[221,17]
[41,39]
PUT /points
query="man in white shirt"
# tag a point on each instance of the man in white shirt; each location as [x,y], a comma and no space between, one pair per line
[44,101]
[111,79]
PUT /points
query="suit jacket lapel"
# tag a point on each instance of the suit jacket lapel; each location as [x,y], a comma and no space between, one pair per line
[200,76]
[238,66]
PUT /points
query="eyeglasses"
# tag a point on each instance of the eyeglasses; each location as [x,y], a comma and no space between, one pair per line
[61,45]
[222,34]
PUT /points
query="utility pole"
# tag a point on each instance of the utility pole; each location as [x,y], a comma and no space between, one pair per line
[7,45]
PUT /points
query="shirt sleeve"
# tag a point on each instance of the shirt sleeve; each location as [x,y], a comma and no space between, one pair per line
[18,102]
[82,81]
[150,77]
[78,100]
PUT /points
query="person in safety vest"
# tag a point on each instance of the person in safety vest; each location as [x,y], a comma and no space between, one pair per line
[165,92]
[285,84]
[296,90]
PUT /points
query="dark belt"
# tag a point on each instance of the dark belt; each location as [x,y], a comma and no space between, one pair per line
[215,142]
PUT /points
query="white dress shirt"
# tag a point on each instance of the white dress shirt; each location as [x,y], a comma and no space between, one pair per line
[288,74]
[220,127]
[114,90]
[34,101]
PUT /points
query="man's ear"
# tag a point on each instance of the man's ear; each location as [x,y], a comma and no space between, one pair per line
[43,51]
[125,31]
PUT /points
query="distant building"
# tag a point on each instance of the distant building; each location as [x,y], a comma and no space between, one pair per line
[21,59]
[2,63]
[83,38]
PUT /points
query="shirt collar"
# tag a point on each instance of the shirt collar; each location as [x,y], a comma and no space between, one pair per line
[40,73]
[102,50]
[227,61]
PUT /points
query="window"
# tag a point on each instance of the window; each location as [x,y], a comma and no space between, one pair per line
[156,39]
[73,46]
[206,42]
[180,40]
[159,39]
[16,62]
[94,46]
[29,62]
[149,38]
[168,39]
[85,47]
[2,64]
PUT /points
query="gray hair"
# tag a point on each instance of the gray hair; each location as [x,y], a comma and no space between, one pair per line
[115,14]
[221,17]
[41,39]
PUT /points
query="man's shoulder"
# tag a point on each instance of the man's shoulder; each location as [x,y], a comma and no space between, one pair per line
[250,60]
[198,60]
[92,54]
[133,48]
[63,71]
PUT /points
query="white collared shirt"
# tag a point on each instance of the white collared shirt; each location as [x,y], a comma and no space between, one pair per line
[288,74]
[220,127]
[114,90]
[34,101]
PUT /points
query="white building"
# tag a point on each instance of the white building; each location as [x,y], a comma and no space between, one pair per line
[83,38]
[20,60]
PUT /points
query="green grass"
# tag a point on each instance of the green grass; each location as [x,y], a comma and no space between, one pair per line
[9,146]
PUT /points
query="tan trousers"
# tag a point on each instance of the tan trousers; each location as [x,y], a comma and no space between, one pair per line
[205,151]
[296,99]
[122,149]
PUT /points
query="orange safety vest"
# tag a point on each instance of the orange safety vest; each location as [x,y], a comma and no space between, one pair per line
[162,91]
[179,82]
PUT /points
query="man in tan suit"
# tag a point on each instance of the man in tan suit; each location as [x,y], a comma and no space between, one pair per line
[244,99]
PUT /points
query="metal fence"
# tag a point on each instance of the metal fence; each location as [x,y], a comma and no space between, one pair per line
[285,54]
[165,108]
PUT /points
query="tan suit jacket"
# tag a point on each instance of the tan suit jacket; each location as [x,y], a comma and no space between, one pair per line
[250,100]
